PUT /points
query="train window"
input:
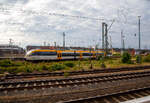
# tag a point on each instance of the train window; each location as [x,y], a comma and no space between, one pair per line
[44,53]
[35,53]
[77,54]
[48,53]
[68,54]
[87,54]
[99,53]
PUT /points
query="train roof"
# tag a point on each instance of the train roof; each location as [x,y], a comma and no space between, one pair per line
[48,50]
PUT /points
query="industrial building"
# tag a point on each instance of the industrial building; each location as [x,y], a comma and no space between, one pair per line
[11,50]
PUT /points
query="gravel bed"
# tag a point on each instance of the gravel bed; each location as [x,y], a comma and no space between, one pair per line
[53,95]
[61,77]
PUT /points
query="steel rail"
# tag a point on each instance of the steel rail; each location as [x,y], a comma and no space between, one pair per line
[108,70]
[69,81]
[116,95]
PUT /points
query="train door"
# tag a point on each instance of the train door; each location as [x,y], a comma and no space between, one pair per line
[59,55]
[81,56]
[94,54]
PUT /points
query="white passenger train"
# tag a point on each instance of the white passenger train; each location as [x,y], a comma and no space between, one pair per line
[41,54]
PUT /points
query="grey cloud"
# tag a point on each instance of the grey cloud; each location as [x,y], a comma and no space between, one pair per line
[43,27]
[13,1]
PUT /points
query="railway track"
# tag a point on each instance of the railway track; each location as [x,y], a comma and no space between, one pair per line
[114,97]
[59,83]
[108,70]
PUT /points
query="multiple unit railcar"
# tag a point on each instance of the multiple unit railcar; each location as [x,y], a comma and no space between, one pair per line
[60,54]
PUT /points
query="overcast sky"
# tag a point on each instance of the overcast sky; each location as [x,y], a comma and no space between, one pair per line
[32,22]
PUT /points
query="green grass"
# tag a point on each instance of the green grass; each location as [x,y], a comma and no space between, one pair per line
[69,64]
[14,67]
[146,58]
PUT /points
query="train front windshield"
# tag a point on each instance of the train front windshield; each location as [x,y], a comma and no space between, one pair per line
[28,53]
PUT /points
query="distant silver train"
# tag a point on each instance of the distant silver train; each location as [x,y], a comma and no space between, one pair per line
[41,54]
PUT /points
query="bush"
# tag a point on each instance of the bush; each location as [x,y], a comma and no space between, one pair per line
[13,70]
[28,68]
[41,67]
[70,64]
[103,65]
[6,63]
[117,55]
[100,57]
[138,59]
[9,63]
[17,63]
[110,62]
[146,59]
[91,66]
[107,58]
[44,67]
[2,70]
[55,67]
[126,58]
[85,59]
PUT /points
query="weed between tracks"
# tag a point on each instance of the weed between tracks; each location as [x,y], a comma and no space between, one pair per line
[14,67]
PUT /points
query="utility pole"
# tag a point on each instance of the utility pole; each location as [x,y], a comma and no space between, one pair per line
[103,25]
[121,39]
[139,33]
[44,43]
[10,42]
[55,44]
[64,39]
[91,66]
[105,30]
[106,39]
[139,60]
[110,42]
[122,42]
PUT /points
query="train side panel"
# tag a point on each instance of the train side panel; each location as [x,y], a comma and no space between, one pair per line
[60,55]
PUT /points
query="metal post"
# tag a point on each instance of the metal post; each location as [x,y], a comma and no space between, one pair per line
[55,45]
[139,33]
[122,42]
[123,45]
[44,43]
[106,40]
[121,39]
[91,66]
[110,42]
[11,46]
[10,42]
[63,40]
[103,24]
[139,61]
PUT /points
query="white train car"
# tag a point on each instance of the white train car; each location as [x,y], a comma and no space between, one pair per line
[60,54]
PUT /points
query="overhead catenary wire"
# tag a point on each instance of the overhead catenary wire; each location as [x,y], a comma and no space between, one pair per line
[33,12]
